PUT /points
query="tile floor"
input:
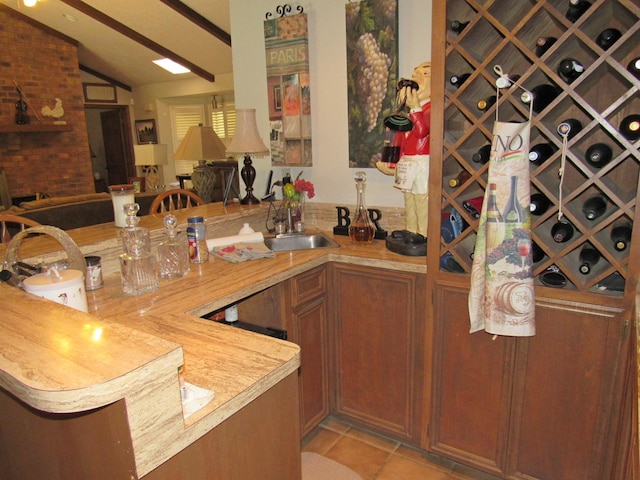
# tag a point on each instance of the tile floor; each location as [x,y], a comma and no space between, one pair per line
[375,457]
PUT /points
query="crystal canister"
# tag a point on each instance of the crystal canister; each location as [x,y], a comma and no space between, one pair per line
[120,196]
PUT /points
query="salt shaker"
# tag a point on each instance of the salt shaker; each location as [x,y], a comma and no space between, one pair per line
[93,276]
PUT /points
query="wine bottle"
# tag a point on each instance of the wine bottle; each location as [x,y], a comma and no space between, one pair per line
[513,214]
[576,9]
[570,69]
[594,207]
[634,67]
[540,152]
[608,37]
[537,253]
[459,179]
[562,231]
[569,127]
[482,155]
[457,26]
[621,236]
[630,127]
[495,223]
[457,80]
[598,155]
[539,204]
[543,44]
[541,96]
[473,206]
[486,104]
[588,257]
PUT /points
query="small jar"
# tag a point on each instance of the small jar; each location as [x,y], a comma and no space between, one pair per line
[231,314]
[93,277]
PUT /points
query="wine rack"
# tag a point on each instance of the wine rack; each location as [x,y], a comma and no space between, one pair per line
[503,32]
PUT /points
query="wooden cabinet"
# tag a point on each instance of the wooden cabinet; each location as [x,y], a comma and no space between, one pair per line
[539,407]
[308,327]
[259,441]
[377,331]
[555,405]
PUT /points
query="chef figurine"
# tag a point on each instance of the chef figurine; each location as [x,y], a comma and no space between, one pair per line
[412,171]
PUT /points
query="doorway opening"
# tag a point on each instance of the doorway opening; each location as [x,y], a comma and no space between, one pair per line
[111,144]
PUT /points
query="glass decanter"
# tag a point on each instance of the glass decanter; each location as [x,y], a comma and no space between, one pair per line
[137,265]
[173,253]
[361,229]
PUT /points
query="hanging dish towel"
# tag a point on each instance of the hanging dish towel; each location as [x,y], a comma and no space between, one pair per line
[502,300]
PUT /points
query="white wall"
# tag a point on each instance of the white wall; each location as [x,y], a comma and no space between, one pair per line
[331,175]
[153,101]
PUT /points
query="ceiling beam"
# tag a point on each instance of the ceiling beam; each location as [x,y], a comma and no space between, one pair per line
[135,36]
[106,78]
[199,20]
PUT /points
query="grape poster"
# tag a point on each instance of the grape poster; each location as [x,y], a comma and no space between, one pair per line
[372,72]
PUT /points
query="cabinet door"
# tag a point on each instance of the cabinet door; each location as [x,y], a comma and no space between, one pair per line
[532,408]
[472,384]
[308,328]
[568,394]
[378,326]
[310,333]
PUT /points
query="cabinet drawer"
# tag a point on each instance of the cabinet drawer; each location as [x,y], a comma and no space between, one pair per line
[308,286]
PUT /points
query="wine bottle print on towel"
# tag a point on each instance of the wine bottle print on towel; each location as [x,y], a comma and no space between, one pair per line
[501,300]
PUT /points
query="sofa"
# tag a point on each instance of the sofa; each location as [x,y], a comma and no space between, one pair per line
[75,211]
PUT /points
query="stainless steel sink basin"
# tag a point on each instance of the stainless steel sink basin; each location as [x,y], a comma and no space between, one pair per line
[300,241]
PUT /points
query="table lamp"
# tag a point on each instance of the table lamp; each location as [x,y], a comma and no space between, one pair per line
[246,141]
[201,144]
[149,156]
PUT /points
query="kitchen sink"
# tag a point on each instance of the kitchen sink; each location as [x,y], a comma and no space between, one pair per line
[300,241]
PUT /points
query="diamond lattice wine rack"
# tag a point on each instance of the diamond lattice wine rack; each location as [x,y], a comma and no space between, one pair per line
[529,39]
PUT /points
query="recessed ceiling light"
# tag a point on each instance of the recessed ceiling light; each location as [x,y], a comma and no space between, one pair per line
[171,66]
[69,17]
[29,3]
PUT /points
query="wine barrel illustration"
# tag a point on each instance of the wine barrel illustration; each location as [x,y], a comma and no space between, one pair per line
[514,298]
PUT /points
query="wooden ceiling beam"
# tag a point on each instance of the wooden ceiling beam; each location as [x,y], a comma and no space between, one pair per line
[136,37]
[106,78]
[199,20]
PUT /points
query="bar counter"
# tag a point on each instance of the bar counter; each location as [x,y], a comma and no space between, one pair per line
[60,360]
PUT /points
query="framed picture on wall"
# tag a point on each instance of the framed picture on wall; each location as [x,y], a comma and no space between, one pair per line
[99,93]
[146,130]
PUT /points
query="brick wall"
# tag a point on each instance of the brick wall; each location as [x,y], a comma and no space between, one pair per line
[45,66]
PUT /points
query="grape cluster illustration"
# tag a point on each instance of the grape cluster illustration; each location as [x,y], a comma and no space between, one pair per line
[508,249]
[372,75]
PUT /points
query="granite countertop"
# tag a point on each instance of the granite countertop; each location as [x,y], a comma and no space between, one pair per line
[62,360]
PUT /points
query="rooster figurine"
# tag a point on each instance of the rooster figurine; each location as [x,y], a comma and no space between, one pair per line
[56,112]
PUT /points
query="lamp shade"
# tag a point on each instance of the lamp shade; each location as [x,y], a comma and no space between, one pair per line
[246,138]
[150,154]
[200,143]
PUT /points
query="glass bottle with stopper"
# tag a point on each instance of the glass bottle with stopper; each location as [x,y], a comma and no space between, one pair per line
[361,229]
[137,265]
[173,253]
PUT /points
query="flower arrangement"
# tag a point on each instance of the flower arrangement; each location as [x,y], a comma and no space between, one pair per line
[294,191]
[294,198]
